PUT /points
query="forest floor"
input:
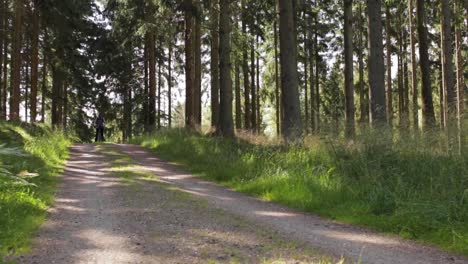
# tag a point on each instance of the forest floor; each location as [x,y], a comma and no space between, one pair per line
[122,204]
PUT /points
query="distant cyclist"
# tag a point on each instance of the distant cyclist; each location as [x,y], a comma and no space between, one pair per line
[99,124]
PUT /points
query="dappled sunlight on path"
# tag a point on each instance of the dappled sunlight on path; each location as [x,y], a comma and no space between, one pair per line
[100,218]
[332,237]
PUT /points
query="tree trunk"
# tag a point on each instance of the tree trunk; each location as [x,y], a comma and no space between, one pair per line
[306,73]
[146,85]
[127,112]
[65,106]
[57,82]
[159,112]
[376,64]
[348,71]
[226,120]
[152,82]
[311,58]
[169,84]
[215,64]
[458,50]
[400,79]
[428,117]
[125,117]
[44,85]
[4,93]
[238,97]
[60,101]
[414,78]
[198,77]
[16,61]
[389,66]
[292,125]
[258,90]
[406,120]
[26,66]
[277,81]
[253,88]
[245,67]
[2,44]
[316,108]
[447,64]
[34,61]
[190,117]
[442,96]
[364,107]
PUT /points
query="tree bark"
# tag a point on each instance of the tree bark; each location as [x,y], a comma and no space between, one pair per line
[414,78]
[2,45]
[447,64]
[442,96]
[389,66]
[34,61]
[169,85]
[406,120]
[3,110]
[246,75]
[311,58]
[146,85]
[376,64]
[215,64]
[428,117]
[292,125]
[238,97]
[253,88]
[57,82]
[44,84]
[400,73]
[364,107]
[459,62]
[159,112]
[16,61]
[65,106]
[152,82]
[348,71]
[306,73]
[226,120]
[26,63]
[258,90]
[198,73]
[316,108]
[277,81]
[190,118]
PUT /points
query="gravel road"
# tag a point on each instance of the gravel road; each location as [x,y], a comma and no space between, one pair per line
[174,217]
[101,217]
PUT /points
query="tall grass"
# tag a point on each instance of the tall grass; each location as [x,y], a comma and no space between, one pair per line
[408,186]
[29,151]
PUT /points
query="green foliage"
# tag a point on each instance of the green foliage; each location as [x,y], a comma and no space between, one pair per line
[30,158]
[410,187]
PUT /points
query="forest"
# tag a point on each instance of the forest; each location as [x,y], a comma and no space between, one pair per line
[290,70]
[352,110]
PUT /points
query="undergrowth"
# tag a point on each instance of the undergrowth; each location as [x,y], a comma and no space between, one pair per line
[30,159]
[410,186]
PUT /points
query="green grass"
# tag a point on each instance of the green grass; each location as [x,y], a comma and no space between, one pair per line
[410,187]
[38,150]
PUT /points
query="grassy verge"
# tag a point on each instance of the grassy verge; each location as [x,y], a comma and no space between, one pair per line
[412,187]
[36,154]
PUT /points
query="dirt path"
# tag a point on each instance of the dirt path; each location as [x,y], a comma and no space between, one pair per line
[106,215]
[110,211]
